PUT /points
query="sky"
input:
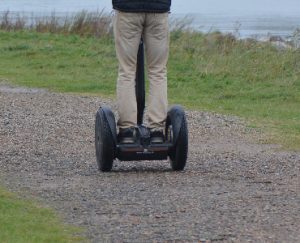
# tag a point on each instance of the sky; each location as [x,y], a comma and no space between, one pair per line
[237,6]
[279,7]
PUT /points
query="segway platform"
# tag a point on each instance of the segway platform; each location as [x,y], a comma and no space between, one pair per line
[142,149]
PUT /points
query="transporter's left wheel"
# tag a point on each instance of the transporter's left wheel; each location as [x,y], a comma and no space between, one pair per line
[104,142]
[177,133]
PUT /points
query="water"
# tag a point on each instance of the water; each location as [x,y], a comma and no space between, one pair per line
[245,18]
[258,26]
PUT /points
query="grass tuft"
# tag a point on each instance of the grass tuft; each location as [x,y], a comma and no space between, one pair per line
[97,24]
[24,221]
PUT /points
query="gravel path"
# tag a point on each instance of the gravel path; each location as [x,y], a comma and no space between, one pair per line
[233,188]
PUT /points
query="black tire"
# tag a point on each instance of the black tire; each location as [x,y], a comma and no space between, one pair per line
[179,152]
[104,143]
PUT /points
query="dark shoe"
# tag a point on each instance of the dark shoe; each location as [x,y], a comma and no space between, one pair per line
[157,136]
[127,135]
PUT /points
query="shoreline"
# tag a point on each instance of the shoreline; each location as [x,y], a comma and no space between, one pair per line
[254,26]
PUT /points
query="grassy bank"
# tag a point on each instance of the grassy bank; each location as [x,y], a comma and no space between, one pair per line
[24,221]
[246,78]
[209,72]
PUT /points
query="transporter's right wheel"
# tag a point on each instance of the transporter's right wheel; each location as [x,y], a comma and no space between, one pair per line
[179,151]
[104,143]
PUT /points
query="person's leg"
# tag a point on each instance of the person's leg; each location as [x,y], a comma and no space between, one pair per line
[156,38]
[128,29]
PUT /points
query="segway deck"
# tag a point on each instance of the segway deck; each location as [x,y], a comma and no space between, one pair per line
[132,152]
[143,149]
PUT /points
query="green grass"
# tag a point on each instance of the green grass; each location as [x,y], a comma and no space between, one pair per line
[206,72]
[24,221]
[57,62]
[245,78]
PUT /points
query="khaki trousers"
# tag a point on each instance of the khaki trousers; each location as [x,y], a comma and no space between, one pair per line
[128,30]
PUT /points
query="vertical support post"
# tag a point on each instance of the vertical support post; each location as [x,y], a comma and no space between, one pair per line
[140,84]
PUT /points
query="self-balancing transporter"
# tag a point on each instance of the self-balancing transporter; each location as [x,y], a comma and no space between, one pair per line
[175,146]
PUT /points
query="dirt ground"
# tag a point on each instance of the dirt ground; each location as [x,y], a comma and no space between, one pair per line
[234,188]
